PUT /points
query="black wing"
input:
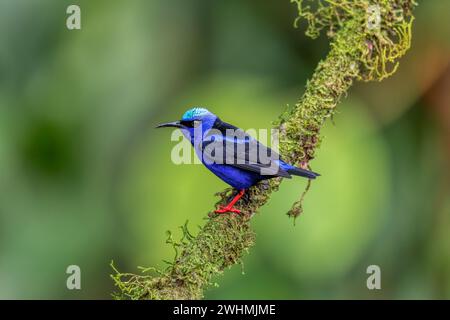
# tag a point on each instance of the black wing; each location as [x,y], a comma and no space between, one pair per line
[230,145]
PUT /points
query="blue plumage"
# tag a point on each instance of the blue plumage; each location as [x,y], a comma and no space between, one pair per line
[231,154]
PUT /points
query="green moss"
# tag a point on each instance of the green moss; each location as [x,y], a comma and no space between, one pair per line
[367,39]
[220,244]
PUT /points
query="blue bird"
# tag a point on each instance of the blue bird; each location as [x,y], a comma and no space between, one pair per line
[231,154]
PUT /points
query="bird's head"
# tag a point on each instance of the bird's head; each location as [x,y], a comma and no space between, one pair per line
[192,119]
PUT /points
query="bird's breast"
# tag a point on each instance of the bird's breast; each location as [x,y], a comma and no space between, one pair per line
[235,177]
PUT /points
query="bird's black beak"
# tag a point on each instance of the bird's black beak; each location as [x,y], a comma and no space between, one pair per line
[175,124]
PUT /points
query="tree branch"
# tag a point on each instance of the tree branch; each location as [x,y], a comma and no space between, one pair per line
[367,38]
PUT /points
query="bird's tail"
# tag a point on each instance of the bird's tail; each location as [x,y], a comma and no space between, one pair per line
[302,172]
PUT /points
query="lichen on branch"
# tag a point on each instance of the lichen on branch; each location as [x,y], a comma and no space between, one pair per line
[367,39]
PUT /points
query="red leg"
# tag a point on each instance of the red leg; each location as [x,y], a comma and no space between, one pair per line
[229,207]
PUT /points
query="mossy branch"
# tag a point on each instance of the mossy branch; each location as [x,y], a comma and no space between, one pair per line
[367,39]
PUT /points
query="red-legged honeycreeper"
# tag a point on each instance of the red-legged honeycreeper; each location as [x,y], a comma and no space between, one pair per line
[231,154]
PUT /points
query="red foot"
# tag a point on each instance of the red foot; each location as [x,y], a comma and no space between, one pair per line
[226,209]
[229,207]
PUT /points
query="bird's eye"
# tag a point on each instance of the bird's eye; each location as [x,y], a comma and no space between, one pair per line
[187,124]
[191,123]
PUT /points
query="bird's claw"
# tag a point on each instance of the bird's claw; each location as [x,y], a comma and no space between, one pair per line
[226,209]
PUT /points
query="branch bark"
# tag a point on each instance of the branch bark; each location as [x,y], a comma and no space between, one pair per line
[366,41]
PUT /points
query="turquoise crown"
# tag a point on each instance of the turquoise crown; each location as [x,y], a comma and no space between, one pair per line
[194,112]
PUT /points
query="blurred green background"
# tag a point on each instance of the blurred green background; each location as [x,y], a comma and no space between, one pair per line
[85,178]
